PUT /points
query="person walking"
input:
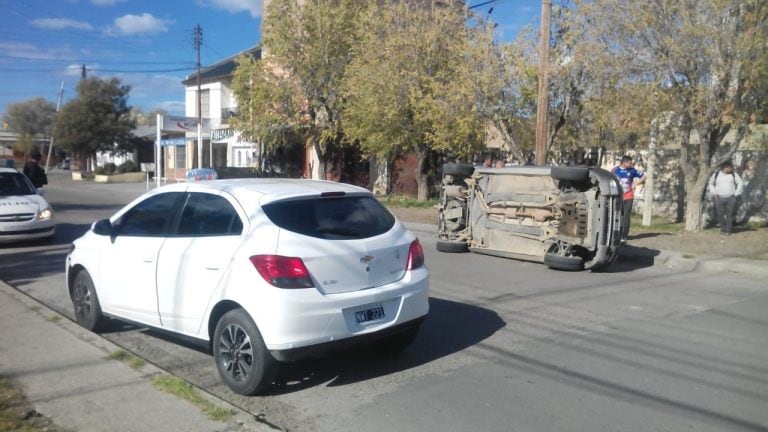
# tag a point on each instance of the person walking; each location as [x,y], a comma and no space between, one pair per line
[35,172]
[725,187]
[627,174]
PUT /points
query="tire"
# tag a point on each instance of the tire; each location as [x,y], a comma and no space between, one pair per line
[576,174]
[451,246]
[395,343]
[86,302]
[243,361]
[559,262]
[458,169]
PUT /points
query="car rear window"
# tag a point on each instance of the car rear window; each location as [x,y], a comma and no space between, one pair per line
[332,218]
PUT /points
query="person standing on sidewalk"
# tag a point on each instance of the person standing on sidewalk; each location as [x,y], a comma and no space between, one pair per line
[725,187]
[627,175]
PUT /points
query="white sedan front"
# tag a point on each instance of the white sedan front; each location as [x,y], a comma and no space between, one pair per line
[24,214]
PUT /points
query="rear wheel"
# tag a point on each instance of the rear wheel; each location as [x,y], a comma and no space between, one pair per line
[451,246]
[395,343]
[86,302]
[560,262]
[243,361]
[458,169]
[575,174]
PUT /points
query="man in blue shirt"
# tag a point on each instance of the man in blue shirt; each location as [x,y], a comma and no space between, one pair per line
[627,175]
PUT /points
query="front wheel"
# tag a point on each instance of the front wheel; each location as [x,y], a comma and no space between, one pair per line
[86,302]
[567,263]
[243,361]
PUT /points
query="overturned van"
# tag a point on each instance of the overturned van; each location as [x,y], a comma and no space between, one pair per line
[568,218]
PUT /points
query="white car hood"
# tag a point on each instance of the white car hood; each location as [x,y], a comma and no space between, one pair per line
[16,204]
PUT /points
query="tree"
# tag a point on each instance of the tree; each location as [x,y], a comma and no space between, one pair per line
[30,119]
[704,60]
[295,88]
[413,83]
[98,119]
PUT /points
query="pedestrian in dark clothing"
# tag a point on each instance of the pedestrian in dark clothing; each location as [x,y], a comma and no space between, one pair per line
[725,187]
[34,172]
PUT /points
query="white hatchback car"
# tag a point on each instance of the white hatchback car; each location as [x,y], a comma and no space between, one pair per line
[264,270]
[24,213]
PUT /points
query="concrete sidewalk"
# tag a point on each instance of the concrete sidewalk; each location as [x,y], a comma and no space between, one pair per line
[67,375]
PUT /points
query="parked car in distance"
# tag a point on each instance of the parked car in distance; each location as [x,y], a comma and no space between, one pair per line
[24,213]
[568,218]
[263,270]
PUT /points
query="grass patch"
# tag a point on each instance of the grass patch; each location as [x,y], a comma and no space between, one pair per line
[53,318]
[658,224]
[127,358]
[16,414]
[178,387]
[689,256]
[34,308]
[401,201]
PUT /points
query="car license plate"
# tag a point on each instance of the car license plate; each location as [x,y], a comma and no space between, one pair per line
[375,313]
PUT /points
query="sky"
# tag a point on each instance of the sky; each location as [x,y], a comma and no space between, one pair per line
[147,44]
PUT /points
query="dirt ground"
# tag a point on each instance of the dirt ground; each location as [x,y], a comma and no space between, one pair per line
[746,242]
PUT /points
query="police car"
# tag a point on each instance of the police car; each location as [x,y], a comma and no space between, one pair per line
[24,213]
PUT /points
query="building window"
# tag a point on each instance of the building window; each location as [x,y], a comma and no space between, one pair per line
[180,157]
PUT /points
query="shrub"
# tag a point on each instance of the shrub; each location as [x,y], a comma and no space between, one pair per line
[106,169]
[127,166]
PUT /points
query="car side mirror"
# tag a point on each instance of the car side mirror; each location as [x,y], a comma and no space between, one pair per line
[103,227]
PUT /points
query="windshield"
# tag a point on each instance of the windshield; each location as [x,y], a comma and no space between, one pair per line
[15,184]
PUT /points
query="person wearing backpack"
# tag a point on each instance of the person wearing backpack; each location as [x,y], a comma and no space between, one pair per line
[725,187]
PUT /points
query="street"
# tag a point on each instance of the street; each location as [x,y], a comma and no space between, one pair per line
[507,346]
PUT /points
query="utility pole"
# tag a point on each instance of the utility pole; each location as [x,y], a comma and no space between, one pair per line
[543,96]
[82,72]
[53,129]
[198,42]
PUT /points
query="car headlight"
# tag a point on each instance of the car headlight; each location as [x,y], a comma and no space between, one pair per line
[45,214]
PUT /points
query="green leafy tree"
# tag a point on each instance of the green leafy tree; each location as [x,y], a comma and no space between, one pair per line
[98,119]
[703,60]
[295,89]
[30,119]
[414,81]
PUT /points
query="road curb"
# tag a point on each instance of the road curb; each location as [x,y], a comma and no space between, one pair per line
[240,420]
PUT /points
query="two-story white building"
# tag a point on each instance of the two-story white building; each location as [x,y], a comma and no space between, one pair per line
[218,104]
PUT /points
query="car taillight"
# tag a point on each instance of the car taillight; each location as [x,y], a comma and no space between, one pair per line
[282,272]
[415,255]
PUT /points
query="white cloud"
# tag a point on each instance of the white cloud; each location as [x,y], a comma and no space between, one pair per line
[129,25]
[61,23]
[171,107]
[106,2]
[235,6]
[29,51]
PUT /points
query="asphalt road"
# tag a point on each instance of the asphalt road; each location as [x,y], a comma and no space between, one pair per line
[508,346]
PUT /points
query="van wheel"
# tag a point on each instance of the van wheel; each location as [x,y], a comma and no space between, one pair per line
[575,174]
[559,262]
[86,302]
[451,246]
[243,361]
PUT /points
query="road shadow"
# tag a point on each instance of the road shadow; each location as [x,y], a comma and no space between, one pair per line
[648,235]
[28,261]
[631,258]
[449,328]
